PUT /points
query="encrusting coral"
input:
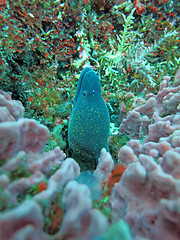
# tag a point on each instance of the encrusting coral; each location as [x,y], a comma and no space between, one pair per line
[142,189]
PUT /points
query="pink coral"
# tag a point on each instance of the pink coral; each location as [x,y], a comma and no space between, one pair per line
[171,163]
[105,166]
[126,155]
[22,143]
[147,109]
[166,102]
[131,125]
[81,221]
[68,171]
[23,222]
[5,115]
[140,192]
[147,196]
[15,108]
[177,78]
[45,161]
[25,134]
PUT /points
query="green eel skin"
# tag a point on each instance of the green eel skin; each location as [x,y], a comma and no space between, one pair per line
[89,124]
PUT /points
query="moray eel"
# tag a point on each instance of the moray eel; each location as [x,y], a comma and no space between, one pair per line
[89,124]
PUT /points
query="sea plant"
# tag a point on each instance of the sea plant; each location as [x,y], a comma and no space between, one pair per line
[135,61]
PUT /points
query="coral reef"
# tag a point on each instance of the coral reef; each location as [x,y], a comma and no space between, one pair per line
[31,181]
[158,116]
[134,192]
[81,221]
[23,222]
[148,194]
[13,110]
[44,195]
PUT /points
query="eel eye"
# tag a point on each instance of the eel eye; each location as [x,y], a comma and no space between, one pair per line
[84,94]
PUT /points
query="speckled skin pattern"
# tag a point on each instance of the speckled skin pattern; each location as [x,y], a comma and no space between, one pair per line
[89,124]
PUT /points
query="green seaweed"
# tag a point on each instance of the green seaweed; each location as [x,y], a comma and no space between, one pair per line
[101,205]
[116,142]
[20,172]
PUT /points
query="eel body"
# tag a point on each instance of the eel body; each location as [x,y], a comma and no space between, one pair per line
[89,124]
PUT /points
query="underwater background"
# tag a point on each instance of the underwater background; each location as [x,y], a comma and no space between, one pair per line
[89,120]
